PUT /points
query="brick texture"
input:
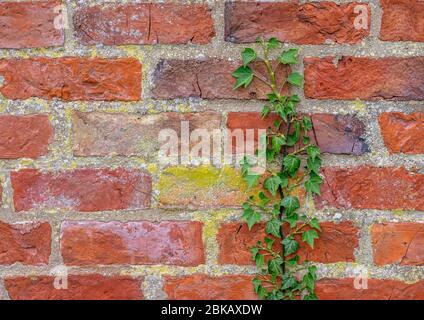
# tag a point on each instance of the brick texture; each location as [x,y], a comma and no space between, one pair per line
[91,243]
[23,23]
[337,243]
[103,134]
[24,136]
[26,243]
[86,287]
[81,190]
[202,287]
[204,78]
[337,134]
[310,23]
[344,289]
[398,243]
[145,23]
[71,78]
[116,161]
[402,133]
[403,20]
[364,78]
[372,188]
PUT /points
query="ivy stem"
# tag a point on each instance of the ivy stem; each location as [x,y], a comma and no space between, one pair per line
[276,92]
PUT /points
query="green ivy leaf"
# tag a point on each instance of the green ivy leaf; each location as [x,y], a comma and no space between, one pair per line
[308,282]
[250,216]
[290,246]
[307,123]
[265,111]
[252,180]
[260,261]
[272,184]
[248,55]
[257,283]
[284,179]
[289,56]
[293,261]
[273,227]
[291,204]
[313,185]
[273,43]
[314,223]
[295,79]
[264,200]
[274,266]
[309,237]
[244,76]
[291,164]
[313,152]
[314,165]
[292,219]
[269,242]
[289,281]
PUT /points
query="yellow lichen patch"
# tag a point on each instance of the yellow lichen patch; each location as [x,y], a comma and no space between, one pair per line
[152,168]
[202,187]
[211,222]
[359,106]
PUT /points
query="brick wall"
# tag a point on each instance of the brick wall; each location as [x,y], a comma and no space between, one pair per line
[81,107]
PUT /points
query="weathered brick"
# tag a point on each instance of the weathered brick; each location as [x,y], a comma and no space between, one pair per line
[336,244]
[206,79]
[103,134]
[30,24]
[142,242]
[79,287]
[372,188]
[344,289]
[145,23]
[71,78]
[26,243]
[338,134]
[24,136]
[201,187]
[81,189]
[203,287]
[365,78]
[310,23]
[403,20]
[403,133]
[398,243]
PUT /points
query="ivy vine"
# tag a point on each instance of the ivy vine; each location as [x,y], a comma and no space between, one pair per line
[281,274]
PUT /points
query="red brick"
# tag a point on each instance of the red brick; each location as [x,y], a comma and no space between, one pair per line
[103,134]
[24,136]
[310,23]
[83,287]
[344,289]
[26,243]
[145,23]
[365,78]
[206,79]
[29,25]
[203,287]
[398,243]
[403,133]
[372,188]
[81,189]
[105,243]
[403,20]
[336,244]
[338,134]
[71,78]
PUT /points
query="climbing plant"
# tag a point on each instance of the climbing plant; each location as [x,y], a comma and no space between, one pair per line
[287,145]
